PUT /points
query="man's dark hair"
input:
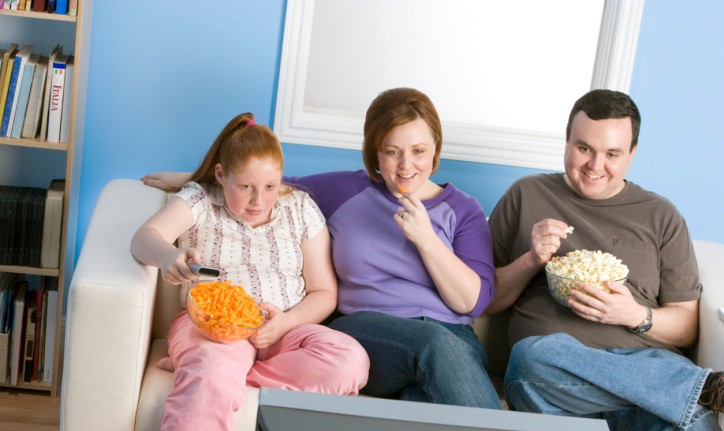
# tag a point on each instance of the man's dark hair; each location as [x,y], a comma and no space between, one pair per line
[605,104]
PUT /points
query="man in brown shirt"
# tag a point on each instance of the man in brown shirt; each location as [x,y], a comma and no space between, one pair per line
[612,355]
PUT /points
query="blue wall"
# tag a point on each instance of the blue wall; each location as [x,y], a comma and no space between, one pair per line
[159,94]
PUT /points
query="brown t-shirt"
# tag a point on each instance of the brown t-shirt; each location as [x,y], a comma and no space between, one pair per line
[639,227]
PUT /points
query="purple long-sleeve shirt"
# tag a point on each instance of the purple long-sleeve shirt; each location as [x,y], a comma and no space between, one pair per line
[381,270]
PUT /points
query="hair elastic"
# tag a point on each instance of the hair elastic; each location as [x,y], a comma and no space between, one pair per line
[250,122]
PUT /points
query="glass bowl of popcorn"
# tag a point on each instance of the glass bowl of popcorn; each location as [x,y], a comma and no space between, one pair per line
[566,273]
[223,312]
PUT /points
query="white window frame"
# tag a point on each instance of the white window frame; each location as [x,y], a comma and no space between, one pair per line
[294,123]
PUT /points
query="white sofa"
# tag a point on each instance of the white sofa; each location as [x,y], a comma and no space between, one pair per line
[119,310]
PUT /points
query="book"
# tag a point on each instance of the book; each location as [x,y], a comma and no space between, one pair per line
[21,4]
[52,223]
[11,225]
[5,88]
[51,6]
[14,4]
[73,8]
[38,331]
[37,234]
[7,280]
[21,58]
[66,108]
[46,96]
[28,341]
[44,321]
[49,343]
[24,95]
[4,192]
[17,334]
[61,7]
[7,55]
[57,91]
[31,125]
[40,5]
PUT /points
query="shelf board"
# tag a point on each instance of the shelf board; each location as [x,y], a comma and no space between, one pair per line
[35,386]
[29,270]
[34,143]
[39,15]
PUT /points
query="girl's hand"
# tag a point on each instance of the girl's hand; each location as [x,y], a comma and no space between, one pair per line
[413,220]
[174,266]
[165,180]
[272,330]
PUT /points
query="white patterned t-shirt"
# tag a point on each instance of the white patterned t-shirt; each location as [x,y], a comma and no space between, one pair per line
[266,260]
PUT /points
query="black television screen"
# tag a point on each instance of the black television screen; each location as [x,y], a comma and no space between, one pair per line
[281,410]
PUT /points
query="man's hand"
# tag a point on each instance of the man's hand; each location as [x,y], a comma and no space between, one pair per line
[545,239]
[616,308]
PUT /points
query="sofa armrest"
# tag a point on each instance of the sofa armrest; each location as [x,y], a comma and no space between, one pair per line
[110,308]
[710,351]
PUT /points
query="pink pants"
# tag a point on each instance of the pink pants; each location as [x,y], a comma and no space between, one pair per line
[210,378]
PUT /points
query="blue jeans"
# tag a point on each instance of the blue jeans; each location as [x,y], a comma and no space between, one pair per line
[422,359]
[633,389]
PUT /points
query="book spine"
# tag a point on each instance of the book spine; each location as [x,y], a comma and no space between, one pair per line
[22,100]
[51,6]
[49,345]
[73,8]
[56,102]
[11,97]
[66,108]
[61,7]
[39,5]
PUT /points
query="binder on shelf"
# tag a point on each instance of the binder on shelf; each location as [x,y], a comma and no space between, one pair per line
[52,224]
[31,125]
[46,96]
[24,95]
[65,109]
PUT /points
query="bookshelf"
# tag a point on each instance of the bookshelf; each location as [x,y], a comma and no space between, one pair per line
[34,162]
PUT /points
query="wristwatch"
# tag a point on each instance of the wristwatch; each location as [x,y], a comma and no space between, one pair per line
[646,324]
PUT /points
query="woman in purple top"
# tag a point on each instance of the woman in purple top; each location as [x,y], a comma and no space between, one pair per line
[414,258]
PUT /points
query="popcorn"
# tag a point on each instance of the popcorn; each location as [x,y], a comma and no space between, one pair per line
[565,273]
[569,230]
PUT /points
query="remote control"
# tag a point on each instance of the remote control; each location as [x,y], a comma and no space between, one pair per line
[200,269]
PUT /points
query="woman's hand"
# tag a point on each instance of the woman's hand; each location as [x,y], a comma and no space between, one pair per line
[272,330]
[414,221]
[166,180]
[616,308]
[174,265]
